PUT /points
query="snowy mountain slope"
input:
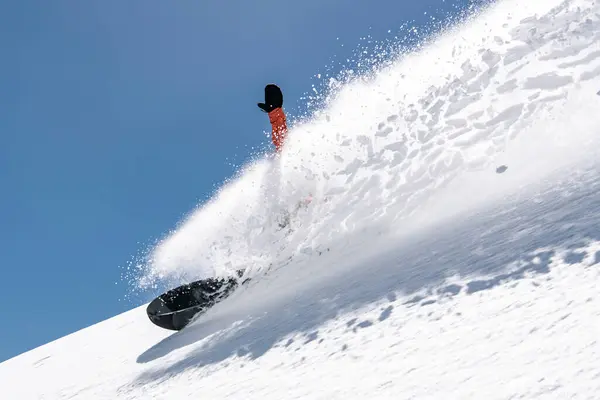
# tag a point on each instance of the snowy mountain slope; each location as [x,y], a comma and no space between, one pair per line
[425,274]
[502,305]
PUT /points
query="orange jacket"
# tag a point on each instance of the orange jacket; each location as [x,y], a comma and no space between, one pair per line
[279,128]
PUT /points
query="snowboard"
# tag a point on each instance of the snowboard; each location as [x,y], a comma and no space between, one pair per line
[176,308]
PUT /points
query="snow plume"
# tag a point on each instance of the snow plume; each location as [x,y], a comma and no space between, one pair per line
[515,87]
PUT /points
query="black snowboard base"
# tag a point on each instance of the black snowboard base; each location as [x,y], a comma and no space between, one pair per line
[176,308]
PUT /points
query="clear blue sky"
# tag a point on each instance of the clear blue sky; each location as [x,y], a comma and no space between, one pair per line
[116,118]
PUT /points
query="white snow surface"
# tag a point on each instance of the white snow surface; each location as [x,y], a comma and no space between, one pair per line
[420,270]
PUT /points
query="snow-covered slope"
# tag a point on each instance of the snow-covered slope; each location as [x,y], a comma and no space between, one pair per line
[418,271]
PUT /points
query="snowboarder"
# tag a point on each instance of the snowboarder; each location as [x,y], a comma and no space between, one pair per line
[273,107]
